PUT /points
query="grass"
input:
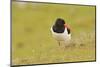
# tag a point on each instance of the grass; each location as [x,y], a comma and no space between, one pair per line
[32,42]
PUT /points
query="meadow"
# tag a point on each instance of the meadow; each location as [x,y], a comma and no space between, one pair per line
[32,42]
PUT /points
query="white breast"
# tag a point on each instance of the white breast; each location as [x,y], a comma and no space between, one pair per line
[61,36]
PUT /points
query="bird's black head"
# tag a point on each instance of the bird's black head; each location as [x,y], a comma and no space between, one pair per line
[59,22]
[59,26]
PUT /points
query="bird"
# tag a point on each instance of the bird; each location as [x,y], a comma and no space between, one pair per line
[61,31]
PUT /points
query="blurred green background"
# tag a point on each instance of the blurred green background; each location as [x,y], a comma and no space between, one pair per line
[32,42]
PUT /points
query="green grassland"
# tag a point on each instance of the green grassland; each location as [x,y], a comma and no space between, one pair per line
[32,42]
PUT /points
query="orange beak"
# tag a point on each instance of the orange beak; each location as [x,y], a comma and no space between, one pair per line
[66,26]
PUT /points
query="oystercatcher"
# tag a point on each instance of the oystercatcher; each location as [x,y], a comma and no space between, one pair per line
[61,31]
